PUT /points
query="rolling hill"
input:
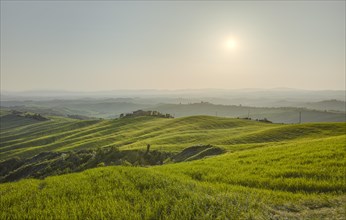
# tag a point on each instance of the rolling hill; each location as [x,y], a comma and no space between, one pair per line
[266,171]
[296,180]
[62,134]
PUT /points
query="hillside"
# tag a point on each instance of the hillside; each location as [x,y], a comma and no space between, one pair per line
[104,108]
[275,181]
[328,105]
[56,163]
[63,134]
[198,167]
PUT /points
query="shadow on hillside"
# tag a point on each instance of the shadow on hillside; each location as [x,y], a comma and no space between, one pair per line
[56,163]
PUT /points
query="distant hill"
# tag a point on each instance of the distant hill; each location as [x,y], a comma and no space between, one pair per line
[112,108]
[327,105]
[90,108]
[277,115]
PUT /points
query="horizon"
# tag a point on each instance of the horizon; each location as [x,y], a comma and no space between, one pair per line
[218,96]
[184,89]
[106,46]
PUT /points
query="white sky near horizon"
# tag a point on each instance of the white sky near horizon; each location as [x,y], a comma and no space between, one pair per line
[110,45]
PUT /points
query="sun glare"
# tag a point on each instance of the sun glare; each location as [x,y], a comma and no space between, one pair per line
[231,44]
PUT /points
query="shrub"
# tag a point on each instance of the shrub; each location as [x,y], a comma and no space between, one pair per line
[102,164]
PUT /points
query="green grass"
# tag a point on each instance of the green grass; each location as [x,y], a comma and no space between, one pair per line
[60,134]
[9,121]
[297,180]
[270,171]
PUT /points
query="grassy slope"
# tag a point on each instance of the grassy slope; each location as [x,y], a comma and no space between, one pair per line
[10,121]
[61,134]
[301,179]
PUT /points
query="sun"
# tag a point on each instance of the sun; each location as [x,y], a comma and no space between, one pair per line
[231,44]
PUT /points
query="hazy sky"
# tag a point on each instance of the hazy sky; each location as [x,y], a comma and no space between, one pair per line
[90,45]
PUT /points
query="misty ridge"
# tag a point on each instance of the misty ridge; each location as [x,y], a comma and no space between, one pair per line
[220,96]
[281,105]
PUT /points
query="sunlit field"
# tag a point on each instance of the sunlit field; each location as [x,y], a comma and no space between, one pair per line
[269,171]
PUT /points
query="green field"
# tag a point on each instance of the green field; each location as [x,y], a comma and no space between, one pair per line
[269,171]
[23,138]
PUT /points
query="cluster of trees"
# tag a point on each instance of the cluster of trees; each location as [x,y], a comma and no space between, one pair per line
[265,120]
[80,117]
[15,112]
[145,113]
[34,116]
